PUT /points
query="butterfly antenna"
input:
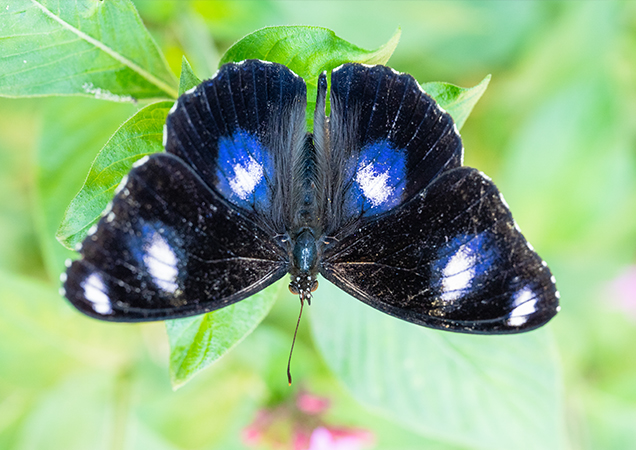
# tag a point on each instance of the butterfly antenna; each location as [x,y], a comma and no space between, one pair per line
[289,377]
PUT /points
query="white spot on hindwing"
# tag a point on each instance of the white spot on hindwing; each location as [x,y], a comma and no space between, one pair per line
[246,177]
[458,273]
[161,262]
[524,304]
[94,292]
[374,184]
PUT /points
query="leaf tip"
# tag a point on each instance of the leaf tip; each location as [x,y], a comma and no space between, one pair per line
[382,54]
[485,82]
[187,79]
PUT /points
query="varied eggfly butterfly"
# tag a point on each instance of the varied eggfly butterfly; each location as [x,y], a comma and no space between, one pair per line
[376,200]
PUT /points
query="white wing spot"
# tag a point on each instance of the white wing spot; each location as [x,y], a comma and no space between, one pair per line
[94,292]
[246,178]
[525,304]
[485,177]
[374,184]
[121,185]
[164,139]
[142,161]
[337,68]
[174,107]
[108,208]
[161,262]
[458,273]
[63,277]
[503,200]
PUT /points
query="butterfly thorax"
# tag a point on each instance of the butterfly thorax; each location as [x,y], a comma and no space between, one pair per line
[304,264]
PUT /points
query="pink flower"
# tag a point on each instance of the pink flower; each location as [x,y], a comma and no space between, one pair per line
[623,291]
[339,439]
[297,424]
[312,404]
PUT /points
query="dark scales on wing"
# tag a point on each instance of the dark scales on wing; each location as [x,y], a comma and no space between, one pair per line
[375,200]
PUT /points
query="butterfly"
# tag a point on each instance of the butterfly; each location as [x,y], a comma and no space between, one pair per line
[376,200]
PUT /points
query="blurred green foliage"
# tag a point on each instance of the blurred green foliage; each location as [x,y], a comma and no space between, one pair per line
[555,130]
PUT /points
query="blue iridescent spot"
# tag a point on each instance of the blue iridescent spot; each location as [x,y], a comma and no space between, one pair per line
[378,179]
[159,250]
[243,167]
[462,262]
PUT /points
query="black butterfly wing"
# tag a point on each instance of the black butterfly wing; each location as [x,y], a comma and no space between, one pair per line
[194,232]
[452,258]
[170,247]
[239,131]
[387,140]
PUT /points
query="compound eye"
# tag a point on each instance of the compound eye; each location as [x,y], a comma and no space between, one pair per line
[314,286]
[293,289]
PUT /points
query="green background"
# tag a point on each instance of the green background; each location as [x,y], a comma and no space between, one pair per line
[555,130]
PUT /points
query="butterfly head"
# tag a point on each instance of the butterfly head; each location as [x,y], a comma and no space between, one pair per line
[303,286]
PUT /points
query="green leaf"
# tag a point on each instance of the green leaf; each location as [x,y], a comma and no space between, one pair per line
[197,42]
[434,382]
[45,338]
[73,131]
[188,79]
[457,101]
[308,51]
[139,136]
[196,342]
[84,47]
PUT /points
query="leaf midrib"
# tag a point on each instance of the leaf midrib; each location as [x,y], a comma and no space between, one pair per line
[112,53]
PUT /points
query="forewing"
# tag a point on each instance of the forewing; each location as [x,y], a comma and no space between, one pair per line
[170,247]
[238,131]
[453,258]
[388,140]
